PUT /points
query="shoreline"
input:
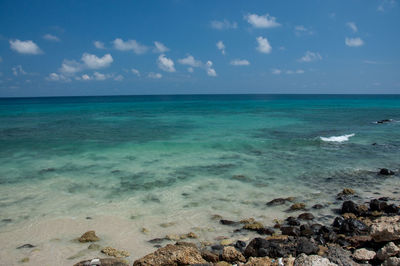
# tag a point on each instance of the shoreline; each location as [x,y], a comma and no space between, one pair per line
[139,239]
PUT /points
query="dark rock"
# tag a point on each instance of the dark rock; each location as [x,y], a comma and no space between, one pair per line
[392,208]
[316,228]
[290,231]
[320,239]
[89,218]
[307,246]
[305,230]
[156,240]
[26,246]
[306,216]
[352,227]
[273,248]
[292,221]
[217,247]
[228,222]
[338,255]
[210,256]
[318,206]
[252,249]
[350,207]
[384,121]
[279,201]
[377,205]
[384,198]
[265,231]
[385,171]
[240,245]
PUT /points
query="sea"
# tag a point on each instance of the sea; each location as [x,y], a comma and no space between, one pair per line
[139,167]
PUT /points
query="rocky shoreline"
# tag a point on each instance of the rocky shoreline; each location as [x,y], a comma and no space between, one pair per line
[363,233]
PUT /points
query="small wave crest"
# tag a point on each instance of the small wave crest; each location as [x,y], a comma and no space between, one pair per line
[337,138]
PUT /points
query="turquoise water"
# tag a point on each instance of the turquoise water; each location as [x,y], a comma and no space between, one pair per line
[150,155]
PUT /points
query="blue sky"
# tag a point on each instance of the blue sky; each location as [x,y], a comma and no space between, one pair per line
[54,48]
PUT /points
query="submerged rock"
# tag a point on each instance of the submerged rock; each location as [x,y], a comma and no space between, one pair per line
[384,121]
[385,171]
[253,226]
[279,201]
[102,262]
[306,216]
[89,236]
[109,251]
[346,194]
[298,206]
[26,246]
[228,222]
[172,255]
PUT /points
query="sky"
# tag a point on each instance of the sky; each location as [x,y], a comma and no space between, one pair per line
[67,48]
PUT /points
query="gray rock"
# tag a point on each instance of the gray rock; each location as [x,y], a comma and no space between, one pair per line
[338,255]
[389,250]
[386,229]
[364,254]
[393,261]
[312,260]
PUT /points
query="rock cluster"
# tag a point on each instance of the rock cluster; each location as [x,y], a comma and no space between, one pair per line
[366,233]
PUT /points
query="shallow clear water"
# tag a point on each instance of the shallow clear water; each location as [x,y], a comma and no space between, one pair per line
[161,158]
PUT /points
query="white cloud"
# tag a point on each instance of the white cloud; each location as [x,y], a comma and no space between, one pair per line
[25,47]
[99,45]
[300,30]
[57,77]
[263,45]
[299,71]
[133,45]
[99,76]
[165,63]
[265,21]
[70,67]
[94,62]
[50,37]
[276,71]
[223,25]
[190,61]
[153,75]
[310,57]
[160,48]
[352,26]
[119,78]
[354,42]
[210,71]
[386,4]
[135,71]
[221,47]
[240,62]
[18,70]
[190,69]
[86,77]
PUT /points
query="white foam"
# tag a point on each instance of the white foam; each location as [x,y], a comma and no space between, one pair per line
[337,138]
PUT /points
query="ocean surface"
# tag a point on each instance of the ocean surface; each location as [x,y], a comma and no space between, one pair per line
[180,159]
